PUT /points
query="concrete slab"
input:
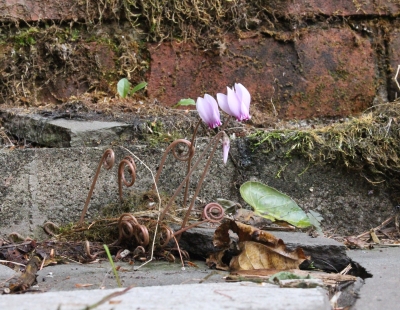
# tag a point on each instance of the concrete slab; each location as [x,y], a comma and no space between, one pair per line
[244,295]
[90,133]
[62,132]
[382,290]
[99,275]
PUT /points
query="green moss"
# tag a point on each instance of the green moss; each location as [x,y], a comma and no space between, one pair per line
[369,144]
[25,37]
[157,134]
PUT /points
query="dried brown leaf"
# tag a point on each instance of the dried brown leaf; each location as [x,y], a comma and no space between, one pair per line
[244,232]
[215,261]
[28,277]
[354,242]
[255,255]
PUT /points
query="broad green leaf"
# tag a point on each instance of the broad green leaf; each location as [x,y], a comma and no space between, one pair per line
[184,102]
[272,204]
[138,87]
[123,87]
[315,220]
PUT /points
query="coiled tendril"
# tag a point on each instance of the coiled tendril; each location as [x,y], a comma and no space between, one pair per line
[182,156]
[213,212]
[130,163]
[129,228]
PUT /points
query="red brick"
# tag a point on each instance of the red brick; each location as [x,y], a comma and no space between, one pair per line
[323,73]
[99,56]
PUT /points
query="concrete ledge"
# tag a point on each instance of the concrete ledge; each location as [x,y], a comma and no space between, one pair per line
[192,296]
[62,132]
[37,185]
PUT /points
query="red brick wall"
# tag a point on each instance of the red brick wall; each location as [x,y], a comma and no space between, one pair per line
[334,68]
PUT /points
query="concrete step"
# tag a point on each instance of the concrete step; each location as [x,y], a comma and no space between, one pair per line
[244,295]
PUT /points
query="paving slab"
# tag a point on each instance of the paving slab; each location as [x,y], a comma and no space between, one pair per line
[382,290]
[75,286]
[63,132]
[244,295]
[69,277]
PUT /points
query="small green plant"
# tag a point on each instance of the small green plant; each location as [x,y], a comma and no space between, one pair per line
[112,265]
[185,102]
[124,87]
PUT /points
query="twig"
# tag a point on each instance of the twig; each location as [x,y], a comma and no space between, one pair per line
[218,292]
[378,227]
[179,251]
[275,112]
[395,78]
[4,136]
[7,262]
[346,270]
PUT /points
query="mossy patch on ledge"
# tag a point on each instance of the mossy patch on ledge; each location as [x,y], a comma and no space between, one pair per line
[368,144]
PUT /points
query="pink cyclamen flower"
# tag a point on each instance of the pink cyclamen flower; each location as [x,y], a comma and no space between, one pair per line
[236,102]
[225,147]
[208,111]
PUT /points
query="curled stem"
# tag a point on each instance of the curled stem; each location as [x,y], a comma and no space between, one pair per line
[177,191]
[130,163]
[189,162]
[203,175]
[178,155]
[107,160]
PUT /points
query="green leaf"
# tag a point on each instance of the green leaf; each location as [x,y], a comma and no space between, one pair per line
[184,102]
[272,204]
[315,220]
[123,87]
[138,87]
[112,264]
[228,205]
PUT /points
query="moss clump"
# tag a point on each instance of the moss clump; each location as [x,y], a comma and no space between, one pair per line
[369,144]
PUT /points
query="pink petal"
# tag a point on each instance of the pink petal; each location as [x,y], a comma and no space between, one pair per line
[244,97]
[243,94]
[208,111]
[234,104]
[225,147]
[216,118]
[223,103]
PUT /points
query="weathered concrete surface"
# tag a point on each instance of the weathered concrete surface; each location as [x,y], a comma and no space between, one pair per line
[303,75]
[63,132]
[37,185]
[100,275]
[381,291]
[191,296]
[52,184]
